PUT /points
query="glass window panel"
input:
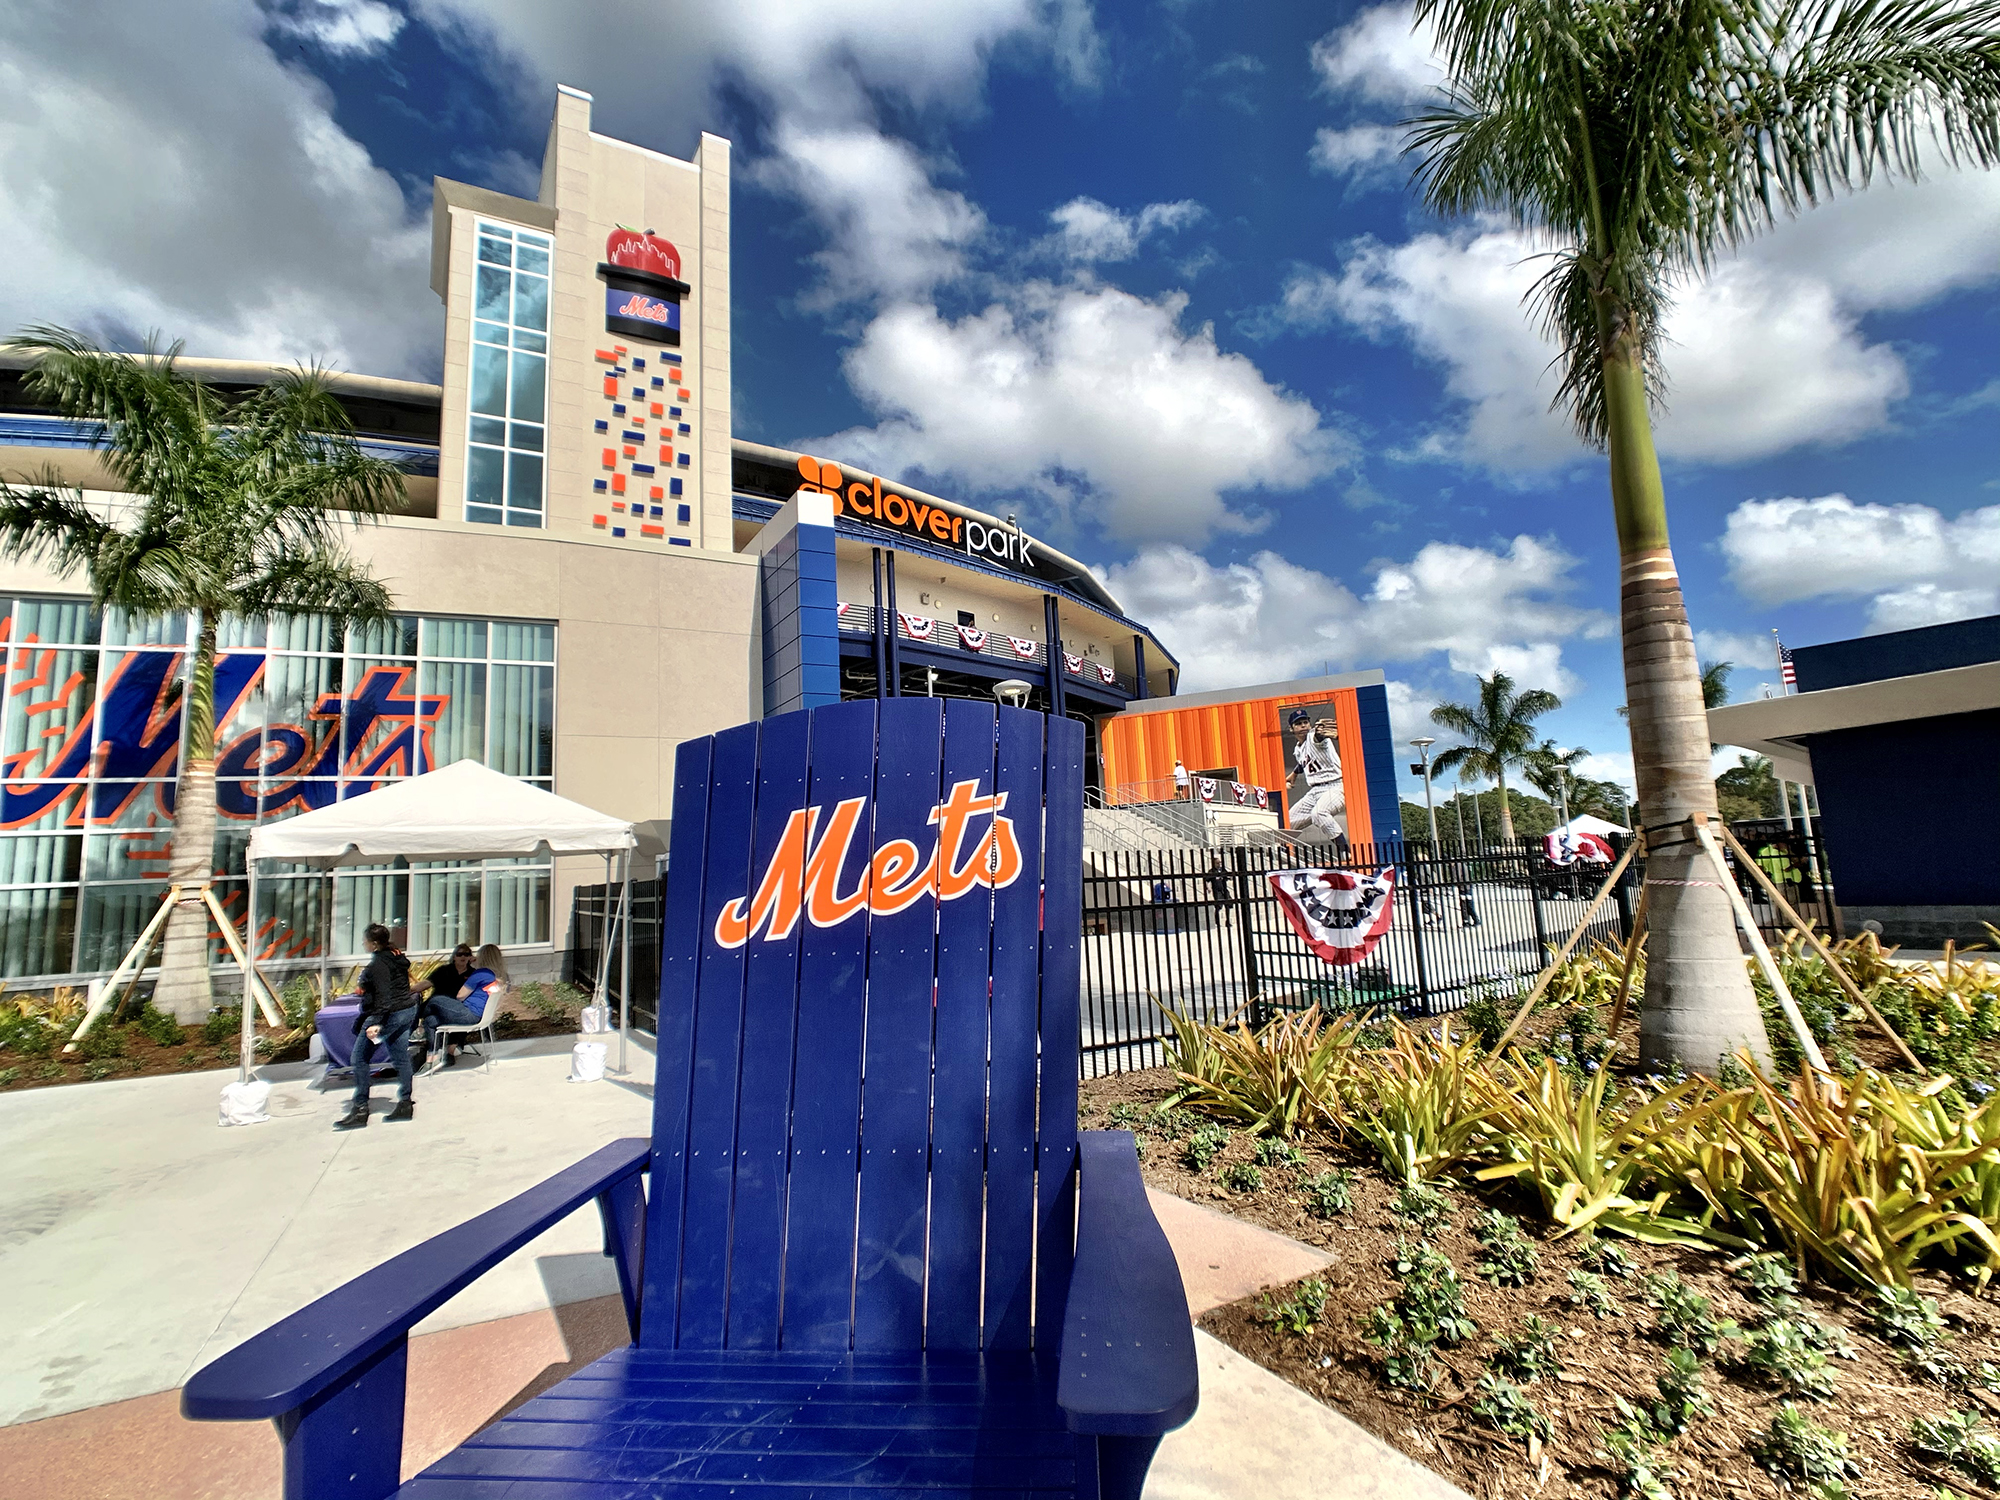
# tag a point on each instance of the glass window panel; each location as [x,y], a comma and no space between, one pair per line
[523,640]
[484,468]
[444,909]
[528,258]
[489,430]
[38,932]
[447,637]
[524,482]
[489,380]
[303,633]
[491,303]
[526,435]
[145,854]
[45,725]
[395,636]
[521,741]
[488,514]
[493,246]
[460,730]
[232,847]
[524,518]
[290,914]
[516,909]
[529,237]
[130,804]
[534,341]
[58,621]
[235,632]
[530,378]
[380,736]
[490,333]
[41,806]
[40,859]
[123,629]
[361,899]
[113,918]
[301,738]
[531,303]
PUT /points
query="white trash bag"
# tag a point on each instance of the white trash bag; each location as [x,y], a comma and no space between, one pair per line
[595,1019]
[316,1049]
[243,1103]
[586,1062]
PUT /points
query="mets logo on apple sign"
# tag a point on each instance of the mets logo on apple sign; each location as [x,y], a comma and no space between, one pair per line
[804,872]
[643,250]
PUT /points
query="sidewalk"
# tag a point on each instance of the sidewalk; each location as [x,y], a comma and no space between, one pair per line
[138,1241]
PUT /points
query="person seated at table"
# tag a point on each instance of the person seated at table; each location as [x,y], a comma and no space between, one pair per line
[388,1011]
[481,985]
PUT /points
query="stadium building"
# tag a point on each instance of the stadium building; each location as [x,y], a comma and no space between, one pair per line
[590,568]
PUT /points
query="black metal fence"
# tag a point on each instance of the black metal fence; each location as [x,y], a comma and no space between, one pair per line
[594,906]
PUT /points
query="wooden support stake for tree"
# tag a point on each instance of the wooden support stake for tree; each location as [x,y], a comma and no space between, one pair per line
[1542,980]
[134,959]
[1631,957]
[1840,975]
[1748,922]
[253,982]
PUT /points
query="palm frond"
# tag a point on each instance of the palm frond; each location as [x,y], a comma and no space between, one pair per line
[51,524]
[321,581]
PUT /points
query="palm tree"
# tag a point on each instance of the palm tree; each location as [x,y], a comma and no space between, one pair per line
[1714,686]
[1640,141]
[1498,732]
[1553,771]
[238,508]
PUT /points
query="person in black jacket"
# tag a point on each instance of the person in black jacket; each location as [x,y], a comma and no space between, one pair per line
[388,1011]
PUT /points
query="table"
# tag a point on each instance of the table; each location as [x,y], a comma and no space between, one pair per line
[337,1034]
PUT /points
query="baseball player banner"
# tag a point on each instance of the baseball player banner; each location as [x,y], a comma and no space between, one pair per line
[1339,914]
[1317,797]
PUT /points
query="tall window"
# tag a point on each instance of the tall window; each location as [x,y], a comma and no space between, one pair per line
[510,366]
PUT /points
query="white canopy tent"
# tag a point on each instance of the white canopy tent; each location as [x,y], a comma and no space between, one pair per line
[1585,823]
[461,811]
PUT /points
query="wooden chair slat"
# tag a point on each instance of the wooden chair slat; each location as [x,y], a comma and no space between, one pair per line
[1061,1025]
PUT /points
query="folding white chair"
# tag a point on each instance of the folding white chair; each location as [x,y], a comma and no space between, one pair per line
[482,1028]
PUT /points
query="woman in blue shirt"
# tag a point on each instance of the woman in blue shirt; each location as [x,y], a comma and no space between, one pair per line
[480,987]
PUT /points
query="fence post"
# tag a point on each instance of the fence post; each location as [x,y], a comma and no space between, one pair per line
[1527,857]
[1406,876]
[1244,910]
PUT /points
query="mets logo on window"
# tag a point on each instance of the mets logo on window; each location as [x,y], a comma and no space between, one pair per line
[975,847]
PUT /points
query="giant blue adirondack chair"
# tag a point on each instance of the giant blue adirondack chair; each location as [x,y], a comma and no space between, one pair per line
[877,1258]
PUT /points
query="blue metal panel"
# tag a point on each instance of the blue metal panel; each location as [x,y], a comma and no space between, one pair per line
[718,1033]
[1378,759]
[826,1092]
[770,1005]
[1899,653]
[1061,1024]
[964,967]
[896,1094]
[1017,962]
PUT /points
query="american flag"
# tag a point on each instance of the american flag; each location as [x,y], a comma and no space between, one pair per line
[1785,668]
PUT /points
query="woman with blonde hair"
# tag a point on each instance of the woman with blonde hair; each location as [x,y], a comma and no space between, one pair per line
[483,986]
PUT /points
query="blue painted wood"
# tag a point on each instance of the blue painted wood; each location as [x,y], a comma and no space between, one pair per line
[826,1098]
[1061,1020]
[964,969]
[770,1009]
[673,1063]
[322,1460]
[728,874]
[622,1207]
[896,1086]
[1017,961]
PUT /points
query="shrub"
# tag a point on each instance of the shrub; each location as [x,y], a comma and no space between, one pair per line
[8,1075]
[1587,1290]
[1416,1102]
[1960,1438]
[1606,1257]
[1330,1194]
[1431,1300]
[1485,1019]
[1905,1320]
[1529,1354]
[1124,1115]
[1683,1396]
[1686,1318]
[1408,1362]
[1782,1350]
[160,1026]
[1298,1311]
[1503,1406]
[1510,1258]
[299,1000]
[1272,1152]
[1171,1124]
[1279,1080]
[1203,1146]
[1768,1276]
[1796,1447]
[223,1026]
[1242,1177]
[1421,1206]
[100,1042]
[1633,1451]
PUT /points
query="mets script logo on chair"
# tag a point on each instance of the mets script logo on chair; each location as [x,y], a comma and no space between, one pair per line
[804,872]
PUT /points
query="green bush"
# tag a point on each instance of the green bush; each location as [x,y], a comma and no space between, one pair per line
[1961,1439]
[1633,1451]
[1768,1276]
[1686,1318]
[1606,1258]
[1431,1300]
[1125,1115]
[8,1075]
[1587,1290]
[1408,1362]
[1421,1206]
[1203,1147]
[160,1026]
[100,1042]
[1330,1194]
[1529,1354]
[1510,1258]
[1506,1408]
[1298,1310]
[1796,1447]
[1242,1177]
[1782,1350]
[1904,1319]
[298,1001]
[1485,1019]
[27,1034]
[1683,1395]
[223,1026]
[1272,1152]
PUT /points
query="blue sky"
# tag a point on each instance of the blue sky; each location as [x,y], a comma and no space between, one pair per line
[1148,274]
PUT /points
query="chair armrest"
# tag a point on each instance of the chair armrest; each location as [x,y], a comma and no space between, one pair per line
[294,1361]
[1128,1363]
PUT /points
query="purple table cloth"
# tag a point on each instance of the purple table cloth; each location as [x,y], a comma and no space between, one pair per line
[337,1034]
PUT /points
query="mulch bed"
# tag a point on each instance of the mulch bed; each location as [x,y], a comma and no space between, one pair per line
[1876,1400]
[142,1057]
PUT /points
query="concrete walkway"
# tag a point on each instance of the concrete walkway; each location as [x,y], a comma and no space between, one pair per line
[138,1241]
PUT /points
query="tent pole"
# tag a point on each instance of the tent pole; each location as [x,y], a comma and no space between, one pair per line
[600,991]
[625,963]
[325,932]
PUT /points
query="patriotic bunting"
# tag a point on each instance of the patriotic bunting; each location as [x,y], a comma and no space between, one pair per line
[1073,664]
[1207,787]
[1026,650]
[1263,798]
[917,627]
[1338,914]
[972,640]
[1104,674]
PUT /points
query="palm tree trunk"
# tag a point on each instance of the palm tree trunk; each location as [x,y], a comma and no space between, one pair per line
[184,988]
[1506,812]
[1698,1006]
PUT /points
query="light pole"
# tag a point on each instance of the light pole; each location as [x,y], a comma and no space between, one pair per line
[1423,745]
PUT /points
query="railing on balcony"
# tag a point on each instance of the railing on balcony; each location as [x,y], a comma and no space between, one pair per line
[990,645]
[1204,789]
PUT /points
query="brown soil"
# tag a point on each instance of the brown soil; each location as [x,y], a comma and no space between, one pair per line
[1876,1400]
[139,1056]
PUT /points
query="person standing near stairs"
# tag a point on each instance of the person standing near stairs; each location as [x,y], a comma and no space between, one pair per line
[388,1011]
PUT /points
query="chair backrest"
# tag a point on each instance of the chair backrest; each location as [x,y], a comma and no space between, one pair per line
[864,1120]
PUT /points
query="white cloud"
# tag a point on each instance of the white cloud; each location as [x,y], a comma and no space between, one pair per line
[347,27]
[1358,150]
[1083,394]
[1914,565]
[1752,658]
[172,174]
[1470,609]
[1380,57]
[1088,231]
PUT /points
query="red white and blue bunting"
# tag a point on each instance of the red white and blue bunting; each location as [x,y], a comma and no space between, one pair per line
[972,640]
[917,627]
[1026,650]
[1339,914]
[1206,785]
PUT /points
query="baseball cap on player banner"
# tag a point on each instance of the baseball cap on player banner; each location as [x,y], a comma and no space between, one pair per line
[1339,914]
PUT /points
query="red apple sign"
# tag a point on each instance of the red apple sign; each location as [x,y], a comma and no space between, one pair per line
[643,252]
